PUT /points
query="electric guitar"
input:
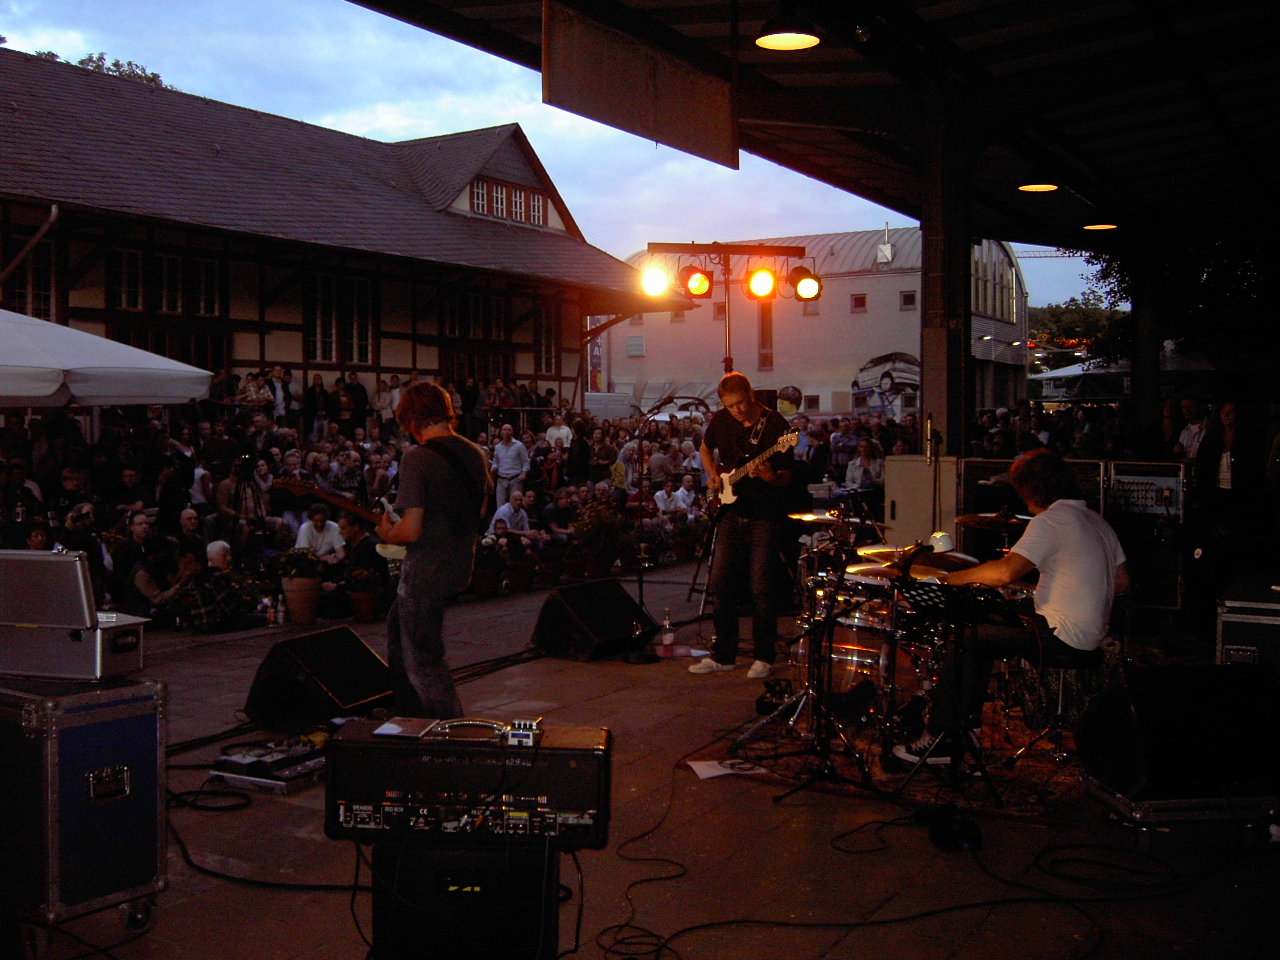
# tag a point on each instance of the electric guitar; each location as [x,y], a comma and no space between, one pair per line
[727,480]
[305,488]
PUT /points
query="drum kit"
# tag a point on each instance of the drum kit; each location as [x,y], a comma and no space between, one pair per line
[870,641]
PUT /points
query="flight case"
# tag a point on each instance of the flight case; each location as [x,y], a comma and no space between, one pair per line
[83,794]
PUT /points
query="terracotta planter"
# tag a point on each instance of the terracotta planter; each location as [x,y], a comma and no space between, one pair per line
[364,606]
[301,594]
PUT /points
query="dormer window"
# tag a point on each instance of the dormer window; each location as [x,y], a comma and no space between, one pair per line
[508,201]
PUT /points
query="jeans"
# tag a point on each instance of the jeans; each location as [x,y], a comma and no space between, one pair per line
[746,555]
[420,676]
[505,487]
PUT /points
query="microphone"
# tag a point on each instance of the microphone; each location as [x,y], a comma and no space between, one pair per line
[670,398]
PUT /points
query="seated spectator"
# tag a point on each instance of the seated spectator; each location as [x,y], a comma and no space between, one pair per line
[512,515]
[157,580]
[211,602]
[559,514]
[667,500]
[191,533]
[641,504]
[36,536]
[321,536]
[128,554]
[687,494]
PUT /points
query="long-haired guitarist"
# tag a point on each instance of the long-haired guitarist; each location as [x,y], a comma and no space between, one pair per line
[744,454]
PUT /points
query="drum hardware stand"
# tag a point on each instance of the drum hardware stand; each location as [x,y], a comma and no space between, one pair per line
[706,556]
[958,735]
[826,727]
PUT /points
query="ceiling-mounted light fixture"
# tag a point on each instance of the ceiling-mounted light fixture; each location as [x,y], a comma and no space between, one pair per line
[1037,183]
[1099,226]
[788,30]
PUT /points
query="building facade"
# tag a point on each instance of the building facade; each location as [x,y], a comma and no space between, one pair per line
[229,238]
[855,349]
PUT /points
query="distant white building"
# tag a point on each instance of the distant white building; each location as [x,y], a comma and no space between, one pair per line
[856,349]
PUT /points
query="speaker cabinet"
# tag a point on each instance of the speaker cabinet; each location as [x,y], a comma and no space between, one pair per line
[306,680]
[591,621]
[1185,741]
[465,901]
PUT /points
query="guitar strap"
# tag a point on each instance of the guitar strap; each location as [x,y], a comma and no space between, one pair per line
[757,431]
[450,457]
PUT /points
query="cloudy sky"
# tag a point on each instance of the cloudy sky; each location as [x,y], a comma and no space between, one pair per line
[333,63]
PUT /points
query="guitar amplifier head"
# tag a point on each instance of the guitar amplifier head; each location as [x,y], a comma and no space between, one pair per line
[477,788]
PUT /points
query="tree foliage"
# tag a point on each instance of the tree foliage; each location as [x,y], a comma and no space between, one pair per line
[98,63]
[1083,325]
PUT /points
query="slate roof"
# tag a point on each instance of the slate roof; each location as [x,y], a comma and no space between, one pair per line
[72,136]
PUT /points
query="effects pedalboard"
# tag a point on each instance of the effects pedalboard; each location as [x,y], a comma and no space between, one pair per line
[469,779]
[283,766]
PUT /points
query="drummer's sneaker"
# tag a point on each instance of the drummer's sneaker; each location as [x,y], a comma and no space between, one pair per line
[915,752]
[759,670]
[707,665]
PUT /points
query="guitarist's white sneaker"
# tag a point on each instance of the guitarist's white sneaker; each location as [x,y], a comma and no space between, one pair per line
[759,670]
[707,665]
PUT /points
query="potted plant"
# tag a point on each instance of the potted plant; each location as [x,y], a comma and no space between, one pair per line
[599,529]
[364,588]
[300,572]
[486,577]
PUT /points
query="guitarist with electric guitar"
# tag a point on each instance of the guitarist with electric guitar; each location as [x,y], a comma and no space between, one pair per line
[746,457]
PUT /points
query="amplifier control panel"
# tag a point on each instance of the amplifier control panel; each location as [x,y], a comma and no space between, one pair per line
[436,788]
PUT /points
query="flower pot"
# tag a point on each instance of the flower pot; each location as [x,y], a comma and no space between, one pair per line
[301,595]
[364,606]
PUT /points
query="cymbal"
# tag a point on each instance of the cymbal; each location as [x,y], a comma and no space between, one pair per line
[992,521]
[391,551]
[823,517]
[938,561]
[876,572]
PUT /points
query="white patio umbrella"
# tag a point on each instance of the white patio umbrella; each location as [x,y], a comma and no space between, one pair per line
[45,364]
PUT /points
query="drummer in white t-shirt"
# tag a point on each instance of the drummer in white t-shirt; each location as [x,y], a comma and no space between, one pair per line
[1082,567]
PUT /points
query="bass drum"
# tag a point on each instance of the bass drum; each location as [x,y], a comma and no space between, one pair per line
[859,654]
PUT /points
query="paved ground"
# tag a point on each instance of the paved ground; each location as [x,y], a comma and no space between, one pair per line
[761,879]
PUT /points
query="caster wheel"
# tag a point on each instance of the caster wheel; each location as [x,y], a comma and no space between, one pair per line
[138,916]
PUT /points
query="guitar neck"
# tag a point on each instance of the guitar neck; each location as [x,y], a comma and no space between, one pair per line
[742,471]
[304,488]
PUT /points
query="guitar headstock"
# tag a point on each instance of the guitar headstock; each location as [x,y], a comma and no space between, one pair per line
[788,440]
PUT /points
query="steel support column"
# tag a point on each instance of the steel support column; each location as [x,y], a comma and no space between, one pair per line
[947,374]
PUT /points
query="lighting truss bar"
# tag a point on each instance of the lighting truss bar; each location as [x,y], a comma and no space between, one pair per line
[732,249]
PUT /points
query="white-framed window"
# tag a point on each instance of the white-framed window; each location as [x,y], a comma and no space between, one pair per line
[479,196]
[677,316]
[546,339]
[208,303]
[765,359]
[343,328]
[635,346]
[30,287]
[499,192]
[517,203]
[170,283]
[127,279]
[812,402]
[718,310]
[906,299]
[536,216]
[809,308]
[857,303]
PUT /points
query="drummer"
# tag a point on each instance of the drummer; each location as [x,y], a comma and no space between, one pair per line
[1082,567]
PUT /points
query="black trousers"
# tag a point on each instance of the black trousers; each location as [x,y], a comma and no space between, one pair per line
[966,667]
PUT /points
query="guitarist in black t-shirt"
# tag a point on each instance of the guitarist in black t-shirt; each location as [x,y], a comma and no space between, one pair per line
[747,468]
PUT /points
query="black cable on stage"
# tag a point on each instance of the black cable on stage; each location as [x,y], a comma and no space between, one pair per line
[351,903]
[629,940]
[185,746]
[879,825]
[577,923]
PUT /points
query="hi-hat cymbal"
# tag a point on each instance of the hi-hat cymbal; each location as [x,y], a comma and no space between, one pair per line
[992,521]
[880,572]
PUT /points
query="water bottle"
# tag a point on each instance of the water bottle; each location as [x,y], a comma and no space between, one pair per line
[668,632]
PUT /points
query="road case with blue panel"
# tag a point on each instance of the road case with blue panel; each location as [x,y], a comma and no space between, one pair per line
[83,794]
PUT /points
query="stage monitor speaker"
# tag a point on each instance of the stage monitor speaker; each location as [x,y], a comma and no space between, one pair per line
[591,621]
[1184,732]
[306,680]
[461,901]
